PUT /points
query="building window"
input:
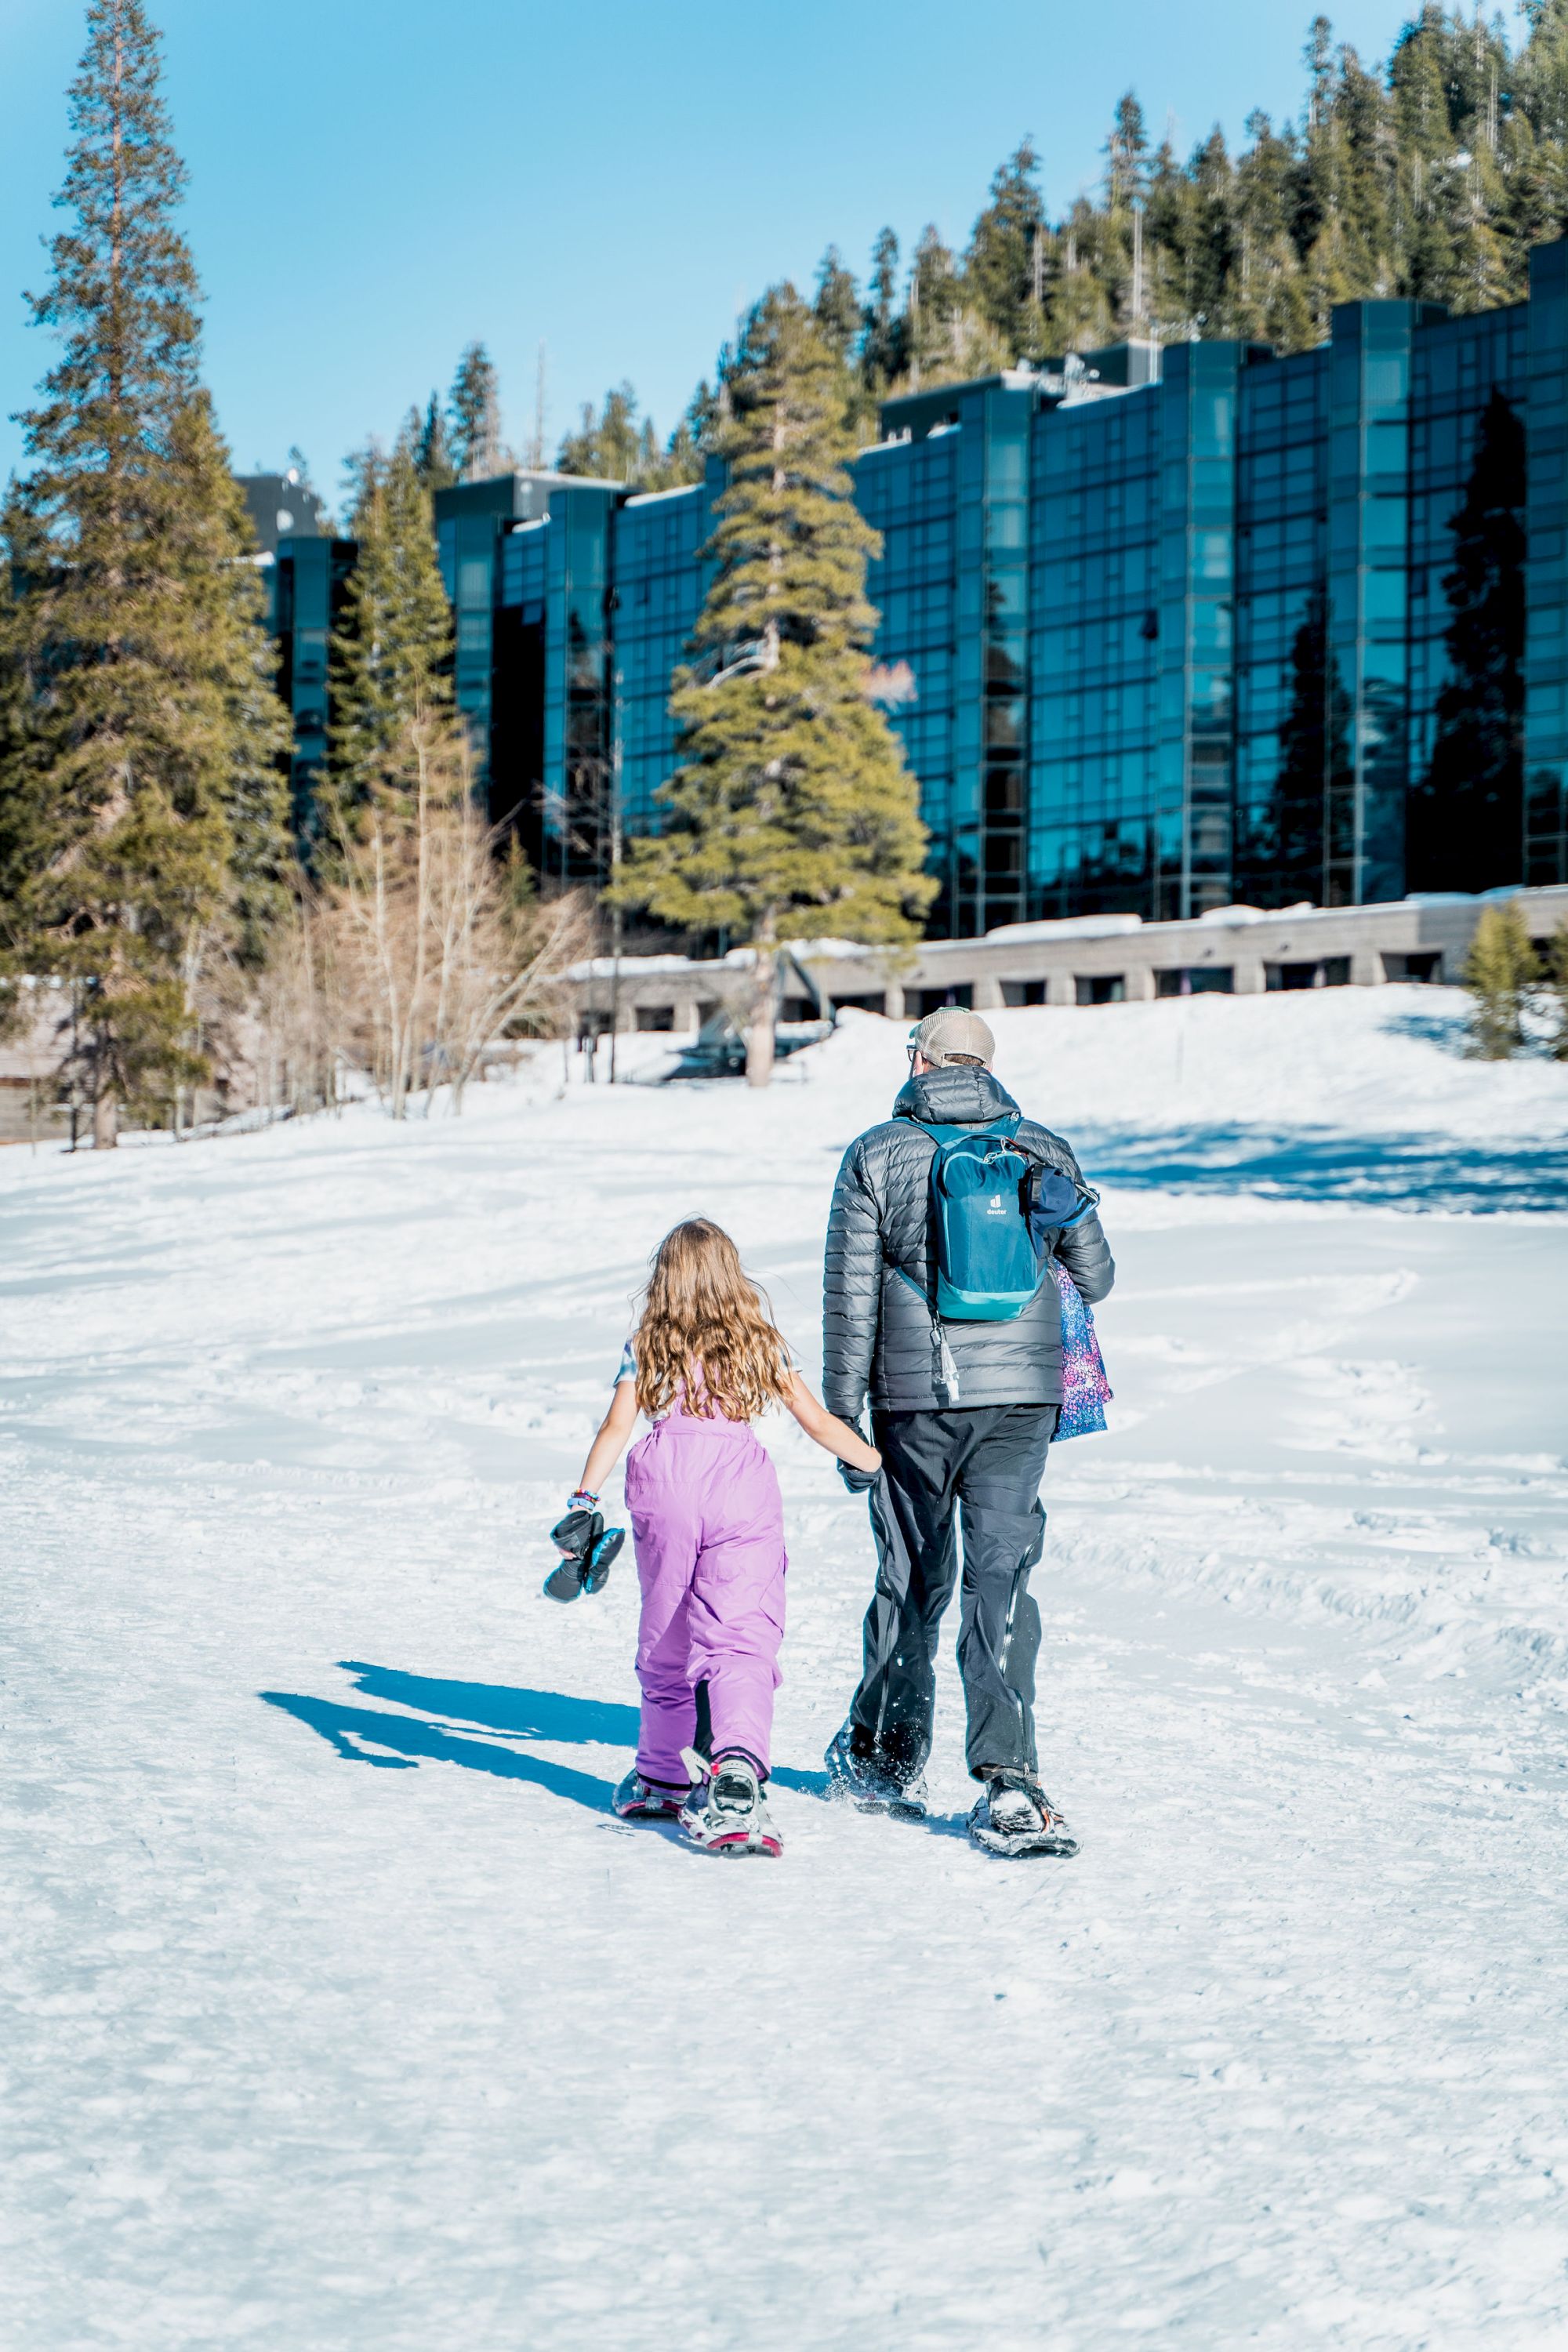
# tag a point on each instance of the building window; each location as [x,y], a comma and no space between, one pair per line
[860,1003]
[1292,975]
[1426,966]
[1196,980]
[932,1000]
[656,1016]
[1023,991]
[1101,988]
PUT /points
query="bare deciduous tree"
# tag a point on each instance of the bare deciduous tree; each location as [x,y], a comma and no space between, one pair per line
[440,947]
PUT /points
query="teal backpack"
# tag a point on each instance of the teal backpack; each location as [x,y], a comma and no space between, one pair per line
[987,1268]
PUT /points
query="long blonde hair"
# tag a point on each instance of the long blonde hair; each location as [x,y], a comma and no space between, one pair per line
[706,1334]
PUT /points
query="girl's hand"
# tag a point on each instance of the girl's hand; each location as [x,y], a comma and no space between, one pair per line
[836,1435]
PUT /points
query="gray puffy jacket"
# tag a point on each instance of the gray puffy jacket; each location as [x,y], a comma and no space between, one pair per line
[879,1335]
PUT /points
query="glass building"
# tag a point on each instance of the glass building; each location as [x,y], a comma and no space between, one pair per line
[307,578]
[1160,629]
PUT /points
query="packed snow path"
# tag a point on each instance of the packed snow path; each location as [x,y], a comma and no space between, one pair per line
[341,2012]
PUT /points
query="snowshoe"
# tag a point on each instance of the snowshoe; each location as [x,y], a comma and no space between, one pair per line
[870,1785]
[725,1812]
[637,1800]
[588,1546]
[1016,1817]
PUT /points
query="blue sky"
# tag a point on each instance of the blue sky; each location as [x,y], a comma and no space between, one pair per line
[376,182]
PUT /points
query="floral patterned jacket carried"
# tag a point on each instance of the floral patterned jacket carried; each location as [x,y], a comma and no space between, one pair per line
[1085,1391]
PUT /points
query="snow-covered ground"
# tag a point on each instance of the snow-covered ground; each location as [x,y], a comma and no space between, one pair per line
[340,2011]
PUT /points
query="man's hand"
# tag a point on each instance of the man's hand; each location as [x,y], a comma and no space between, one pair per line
[859,1482]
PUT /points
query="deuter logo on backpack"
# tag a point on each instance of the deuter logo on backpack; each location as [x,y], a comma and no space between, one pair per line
[988,1267]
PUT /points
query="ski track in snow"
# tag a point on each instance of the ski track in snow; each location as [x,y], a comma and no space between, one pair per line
[341,2011]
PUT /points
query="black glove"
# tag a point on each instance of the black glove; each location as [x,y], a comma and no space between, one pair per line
[859,1482]
[588,1548]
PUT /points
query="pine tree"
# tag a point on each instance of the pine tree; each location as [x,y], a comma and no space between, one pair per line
[1127,176]
[1267,300]
[1081,317]
[142,798]
[883,344]
[391,652]
[943,338]
[836,309]
[474,427]
[1554,978]
[1466,814]
[1004,274]
[432,458]
[792,814]
[1499,970]
[606,444]
[612,446]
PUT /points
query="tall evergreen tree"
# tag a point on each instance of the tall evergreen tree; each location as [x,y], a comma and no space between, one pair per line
[836,309]
[608,443]
[474,427]
[1080,300]
[391,654]
[882,343]
[1266,299]
[1004,270]
[141,799]
[432,458]
[613,445]
[792,814]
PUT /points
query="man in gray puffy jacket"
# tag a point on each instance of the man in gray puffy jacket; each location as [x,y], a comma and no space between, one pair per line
[963,1414]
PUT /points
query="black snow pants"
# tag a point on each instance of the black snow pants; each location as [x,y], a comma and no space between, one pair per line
[989,1459]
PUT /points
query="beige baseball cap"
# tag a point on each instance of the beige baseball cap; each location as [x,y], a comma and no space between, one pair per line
[953,1033]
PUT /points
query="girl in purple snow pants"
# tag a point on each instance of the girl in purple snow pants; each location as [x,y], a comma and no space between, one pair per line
[704,1361]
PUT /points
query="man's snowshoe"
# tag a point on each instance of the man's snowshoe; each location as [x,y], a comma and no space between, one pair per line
[871,1786]
[637,1800]
[1016,1817]
[728,1815]
[587,1546]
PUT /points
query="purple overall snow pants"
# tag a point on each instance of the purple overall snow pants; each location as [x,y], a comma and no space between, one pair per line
[707,1521]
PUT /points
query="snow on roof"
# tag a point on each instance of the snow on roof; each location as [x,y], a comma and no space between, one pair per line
[650,497]
[1066,927]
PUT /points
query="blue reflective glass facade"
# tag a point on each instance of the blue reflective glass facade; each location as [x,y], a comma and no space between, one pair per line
[1158,630]
[1094,656]
[306,583]
[1281,630]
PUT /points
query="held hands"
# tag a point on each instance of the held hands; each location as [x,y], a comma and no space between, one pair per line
[857,1480]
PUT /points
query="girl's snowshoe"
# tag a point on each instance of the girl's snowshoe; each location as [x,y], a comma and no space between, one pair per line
[1016,1817]
[728,1815]
[637,1800]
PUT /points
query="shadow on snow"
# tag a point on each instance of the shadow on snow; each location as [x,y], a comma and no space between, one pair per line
[1414,1171]
[363,1735]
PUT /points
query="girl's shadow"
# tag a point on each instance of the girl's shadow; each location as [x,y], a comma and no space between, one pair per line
[399,1742]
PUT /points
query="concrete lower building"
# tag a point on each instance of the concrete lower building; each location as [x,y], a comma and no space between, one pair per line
[1088,960]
